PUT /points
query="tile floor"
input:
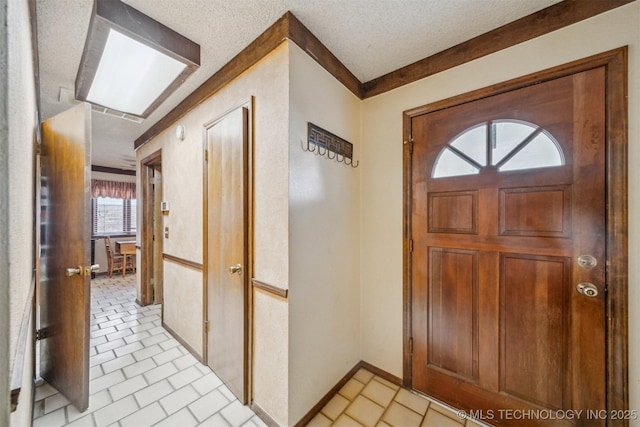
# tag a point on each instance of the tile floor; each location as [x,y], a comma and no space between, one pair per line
[370,401]
[140,375]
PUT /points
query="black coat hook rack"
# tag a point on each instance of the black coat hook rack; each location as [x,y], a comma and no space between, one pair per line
[324,143]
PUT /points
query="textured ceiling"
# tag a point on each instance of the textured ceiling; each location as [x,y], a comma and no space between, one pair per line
[370,37]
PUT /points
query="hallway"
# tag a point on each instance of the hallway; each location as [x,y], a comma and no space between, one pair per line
[140,375]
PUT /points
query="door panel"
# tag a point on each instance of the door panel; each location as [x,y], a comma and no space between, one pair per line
[66,300]
[507,192]
[227,256]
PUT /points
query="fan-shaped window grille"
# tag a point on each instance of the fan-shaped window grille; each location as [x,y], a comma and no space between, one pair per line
[506,145]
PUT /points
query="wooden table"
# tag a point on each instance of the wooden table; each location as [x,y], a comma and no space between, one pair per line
[126,248]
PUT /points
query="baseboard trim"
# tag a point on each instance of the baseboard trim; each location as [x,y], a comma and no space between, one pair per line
[382,373]
[184,343]
[263,415]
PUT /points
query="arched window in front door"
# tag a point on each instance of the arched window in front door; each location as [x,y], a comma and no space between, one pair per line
[506,145]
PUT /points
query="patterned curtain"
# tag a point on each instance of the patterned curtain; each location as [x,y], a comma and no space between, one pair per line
[113,189]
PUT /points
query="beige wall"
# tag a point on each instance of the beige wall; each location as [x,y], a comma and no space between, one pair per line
[324,235]
[183,172]
[381,174]
[21,114]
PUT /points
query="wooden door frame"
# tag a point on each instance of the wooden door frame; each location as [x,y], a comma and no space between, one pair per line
[248,227]
[146,241]
[616,140]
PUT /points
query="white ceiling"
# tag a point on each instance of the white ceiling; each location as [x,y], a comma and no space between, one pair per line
[370,37]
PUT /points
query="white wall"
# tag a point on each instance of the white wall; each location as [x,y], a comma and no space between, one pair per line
[20,143]
[183,172]
[381,174]
[324,235]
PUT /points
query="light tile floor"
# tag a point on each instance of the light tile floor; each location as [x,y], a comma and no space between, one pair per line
[370,401]
[140,375]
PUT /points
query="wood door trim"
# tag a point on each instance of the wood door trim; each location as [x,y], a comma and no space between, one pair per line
[271,289]
[182,261]
[146,243]
[616,140]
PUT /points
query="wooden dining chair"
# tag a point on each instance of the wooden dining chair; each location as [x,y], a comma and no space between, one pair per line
[114,261]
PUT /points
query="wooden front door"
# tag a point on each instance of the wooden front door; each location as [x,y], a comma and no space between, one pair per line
[227,249]
[508,264]
[65,285]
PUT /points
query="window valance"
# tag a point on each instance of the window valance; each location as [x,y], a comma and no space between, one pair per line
[113,189]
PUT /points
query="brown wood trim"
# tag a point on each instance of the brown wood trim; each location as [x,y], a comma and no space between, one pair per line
[147,243]
[617,233]
[327,397]
[181,261]
[300,35]
[258,49]
[616,302]
[96,168]
[381,373]
[289,27]
[535,25]
[406,252]
[263,415]
[183,342]
[274,290]
[26,330]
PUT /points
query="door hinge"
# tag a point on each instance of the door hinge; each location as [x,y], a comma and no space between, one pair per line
[206,326]
[410,245]
[410,345]
[42,334]
[206,155]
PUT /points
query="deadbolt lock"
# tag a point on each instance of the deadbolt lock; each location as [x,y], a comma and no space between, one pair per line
[587,261]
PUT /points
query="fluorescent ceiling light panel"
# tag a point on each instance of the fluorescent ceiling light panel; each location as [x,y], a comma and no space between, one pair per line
[132,63]
[131,75]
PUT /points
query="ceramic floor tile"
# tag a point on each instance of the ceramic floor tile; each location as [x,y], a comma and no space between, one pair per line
[86,421]
[365,411]
[138,368]
[145,417]
[436,419]
[387,383]
[45,391]
[145,353]
[207,383]
[96,401]
[346,421]
[379,393]
[400,416]
[208,405]
[117,363]
[106,381]
[127,387]
[54,402]
[52,419]
[236,413]
[412,401]
[185,361]
[185,377]
[351,389]
[334,408]
[179,399]
[447,412]
[363,376]
[182,418]
[319,421]
[129,348]
[116,411]
[215,421]
[161,372]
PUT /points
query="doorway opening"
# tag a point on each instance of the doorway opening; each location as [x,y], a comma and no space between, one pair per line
[151,241]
